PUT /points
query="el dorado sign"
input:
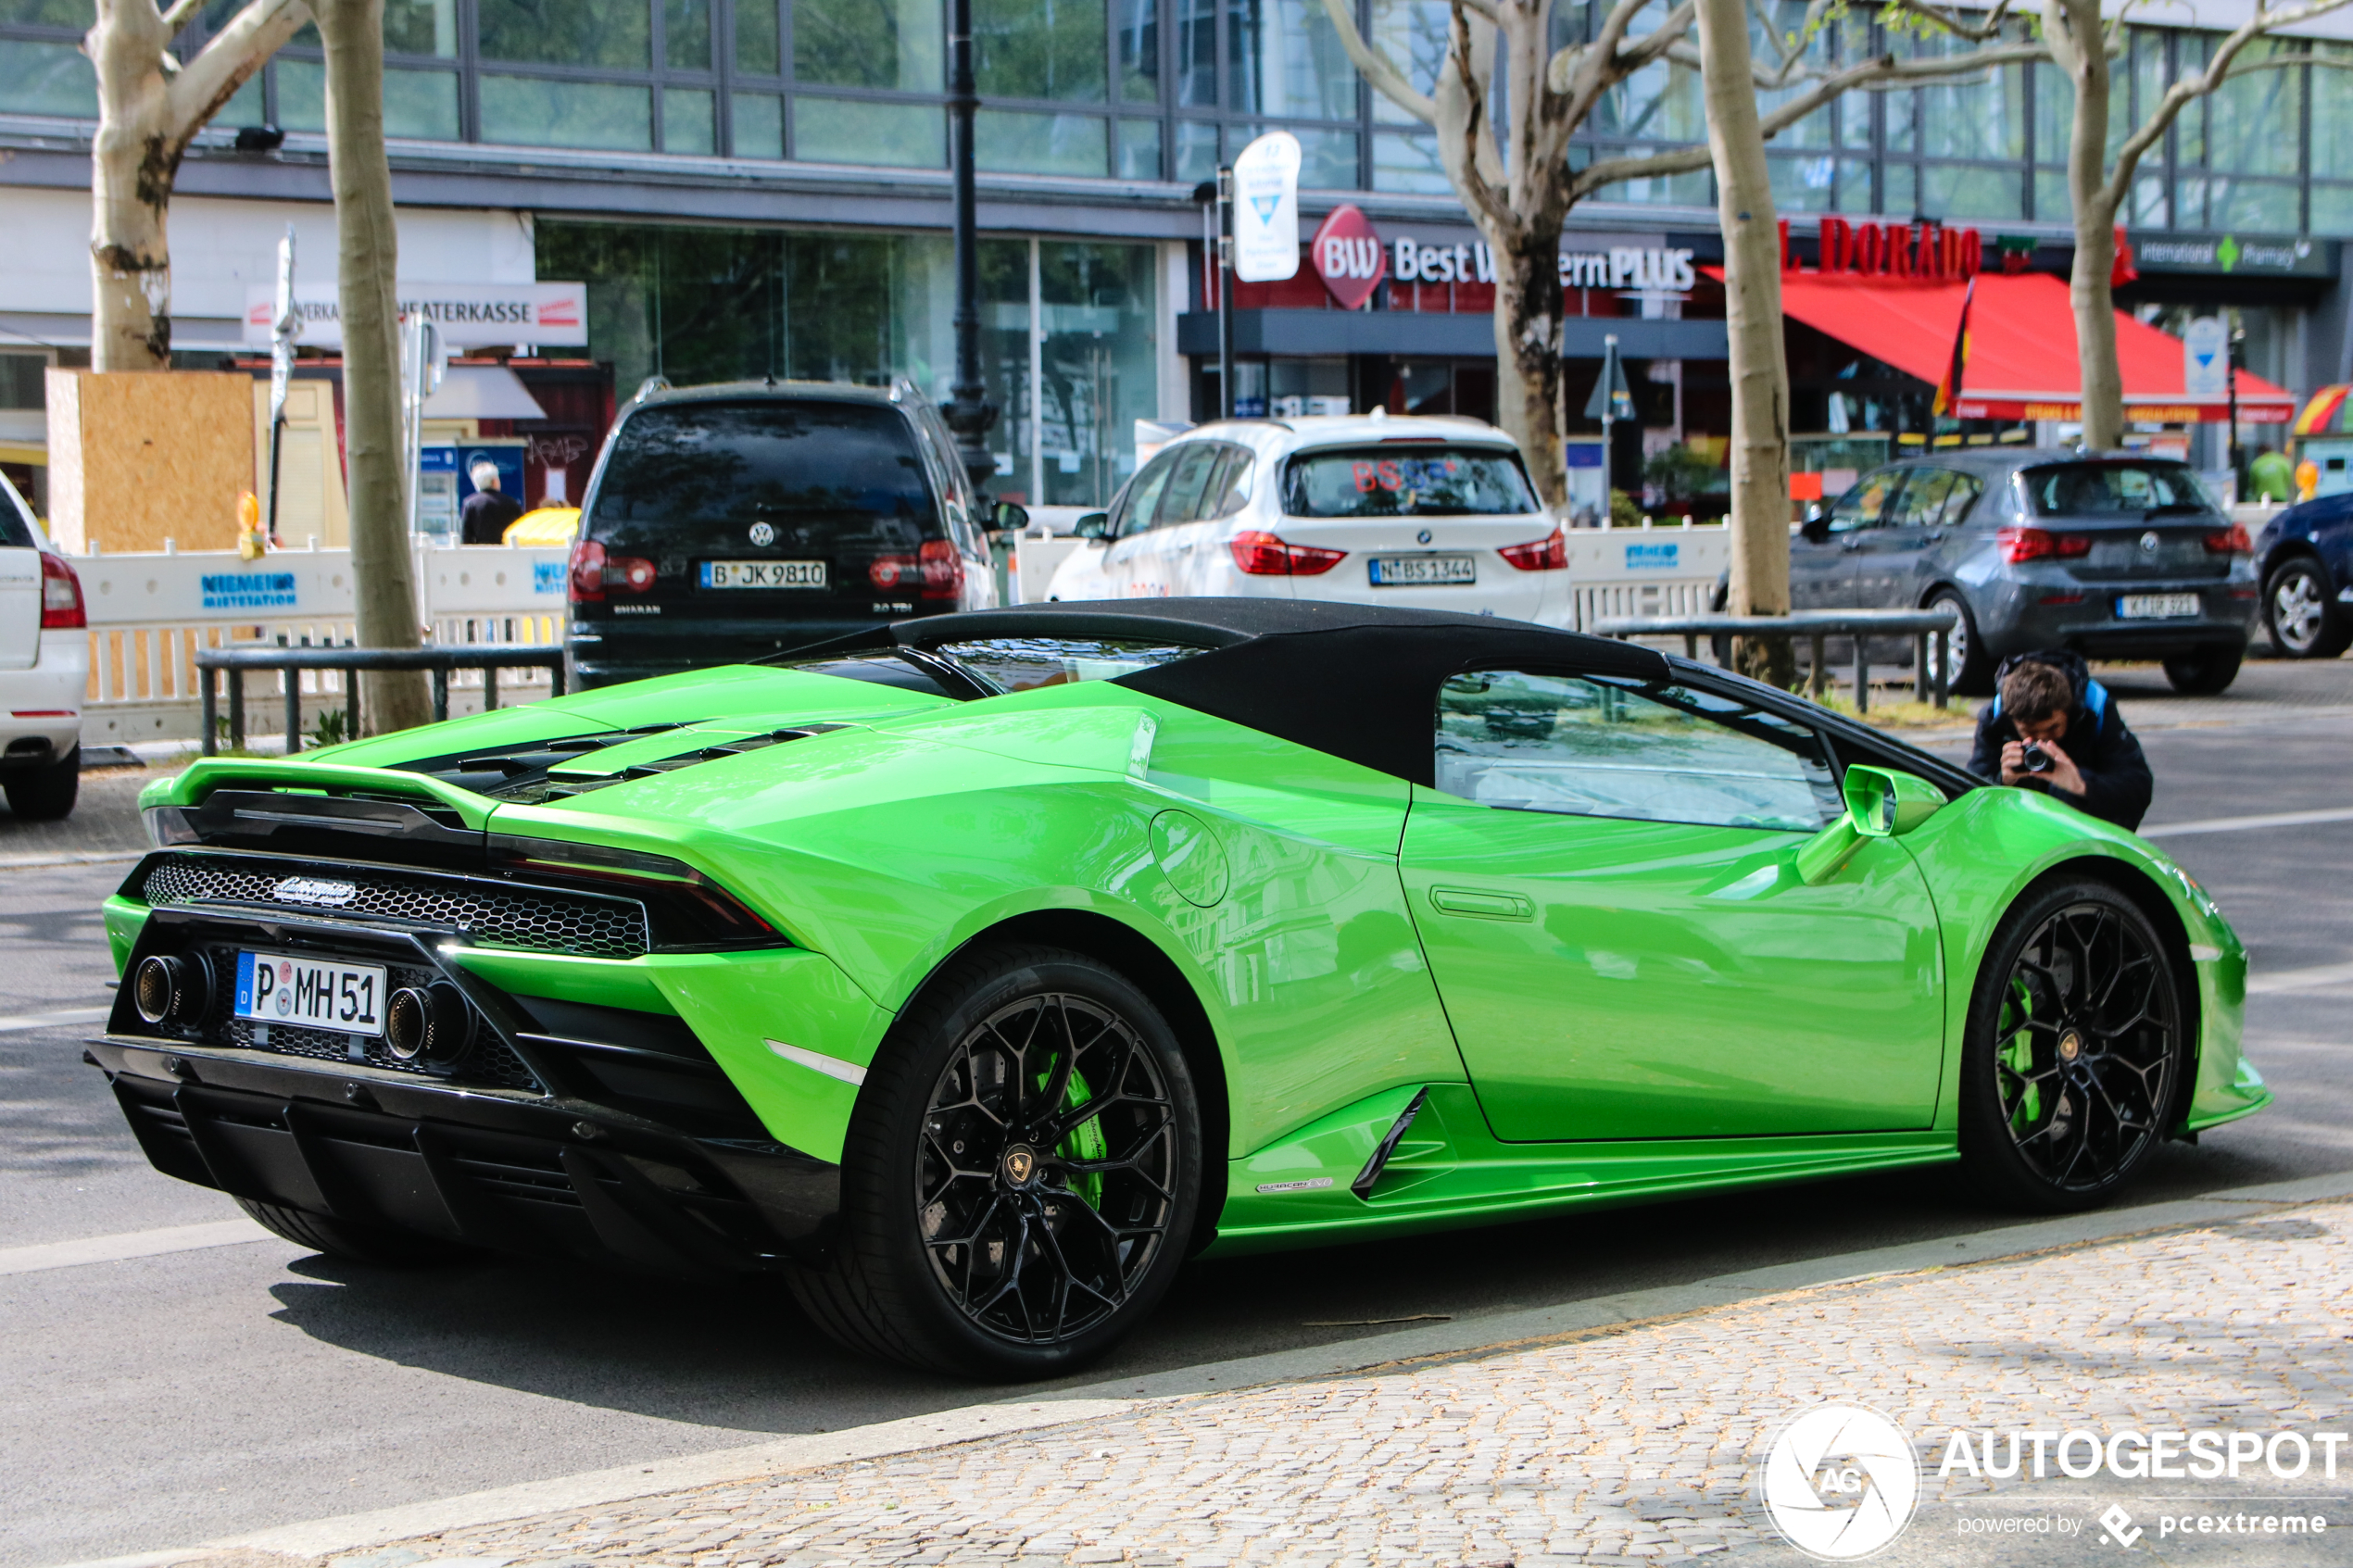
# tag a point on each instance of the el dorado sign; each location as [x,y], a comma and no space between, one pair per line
[1893,250]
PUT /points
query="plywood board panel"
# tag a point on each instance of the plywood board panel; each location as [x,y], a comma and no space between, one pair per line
[155,456]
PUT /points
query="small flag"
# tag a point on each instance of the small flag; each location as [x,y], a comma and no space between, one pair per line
[1948,391]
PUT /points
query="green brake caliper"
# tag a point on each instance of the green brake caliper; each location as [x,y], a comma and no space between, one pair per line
[2018,1050]
[1085,1142]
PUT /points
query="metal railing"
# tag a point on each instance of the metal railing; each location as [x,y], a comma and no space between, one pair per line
[1923,626]
[488,658]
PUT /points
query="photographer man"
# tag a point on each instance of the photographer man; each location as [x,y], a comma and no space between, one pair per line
[2054,728]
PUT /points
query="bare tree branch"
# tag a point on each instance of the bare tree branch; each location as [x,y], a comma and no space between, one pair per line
[178,17]
[1383,73]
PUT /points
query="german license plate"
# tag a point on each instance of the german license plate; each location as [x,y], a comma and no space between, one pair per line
[2156,607]
[315,993]
[763,574]
[1414,572]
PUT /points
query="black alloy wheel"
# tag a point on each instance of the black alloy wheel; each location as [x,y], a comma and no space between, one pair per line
[2077,1050]
[2300,612]
[2205,671]
[1022,1173]
[1967,672]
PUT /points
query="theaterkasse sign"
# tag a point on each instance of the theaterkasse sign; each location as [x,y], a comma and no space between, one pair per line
[469,315]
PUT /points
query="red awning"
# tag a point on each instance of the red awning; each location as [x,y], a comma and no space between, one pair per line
[2021,358]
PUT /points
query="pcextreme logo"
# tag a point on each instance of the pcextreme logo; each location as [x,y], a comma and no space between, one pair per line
[1841,1481]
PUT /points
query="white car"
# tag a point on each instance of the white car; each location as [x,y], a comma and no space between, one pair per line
[45,667]
[1428,512]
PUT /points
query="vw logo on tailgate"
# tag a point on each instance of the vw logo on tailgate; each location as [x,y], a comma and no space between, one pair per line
[315,891]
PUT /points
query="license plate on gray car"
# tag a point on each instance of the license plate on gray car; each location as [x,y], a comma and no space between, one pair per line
[2157,607]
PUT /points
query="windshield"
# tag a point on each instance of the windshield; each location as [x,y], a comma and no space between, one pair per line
[2119,490]
[992,666]
[736,462]
[1400,480]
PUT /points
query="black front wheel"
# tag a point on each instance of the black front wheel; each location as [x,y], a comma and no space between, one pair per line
[2207,672]
[1021,1175]
[2300,612]
[1969,672]
[2076,1051]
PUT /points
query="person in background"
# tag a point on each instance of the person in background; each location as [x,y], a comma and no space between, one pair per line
[2053,728]
[487,511]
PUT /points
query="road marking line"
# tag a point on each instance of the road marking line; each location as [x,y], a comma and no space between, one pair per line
[57,1019]
[2300,979]
[129,1245]
[2244,824]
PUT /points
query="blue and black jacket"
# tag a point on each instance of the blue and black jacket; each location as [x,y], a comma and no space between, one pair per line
[2117,785]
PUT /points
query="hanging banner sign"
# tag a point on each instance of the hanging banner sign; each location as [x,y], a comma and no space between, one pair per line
[469,315]
[2205,358]
[1267,209]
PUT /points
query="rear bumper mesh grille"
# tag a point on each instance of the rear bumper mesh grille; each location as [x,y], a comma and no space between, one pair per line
[541,919]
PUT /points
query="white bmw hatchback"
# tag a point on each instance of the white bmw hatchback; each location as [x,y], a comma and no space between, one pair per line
[1429,512]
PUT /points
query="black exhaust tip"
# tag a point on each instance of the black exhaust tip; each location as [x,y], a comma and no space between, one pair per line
[169,989]
[431,1025]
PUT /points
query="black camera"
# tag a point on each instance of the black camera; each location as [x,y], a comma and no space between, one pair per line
[2037,759]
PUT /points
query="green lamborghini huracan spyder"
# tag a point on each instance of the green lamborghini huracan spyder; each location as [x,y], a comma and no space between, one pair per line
[976,971]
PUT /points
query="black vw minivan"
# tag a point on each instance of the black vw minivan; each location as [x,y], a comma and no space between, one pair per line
[730,522]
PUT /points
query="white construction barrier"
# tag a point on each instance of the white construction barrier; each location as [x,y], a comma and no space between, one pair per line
[150,613]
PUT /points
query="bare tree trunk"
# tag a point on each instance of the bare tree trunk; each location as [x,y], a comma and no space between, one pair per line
[150,107]
[1528,357]
[1752,322]
[367,253]
[2079,46]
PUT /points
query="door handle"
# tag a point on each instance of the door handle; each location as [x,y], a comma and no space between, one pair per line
[1935,535]
[1481,903]
[1852,545]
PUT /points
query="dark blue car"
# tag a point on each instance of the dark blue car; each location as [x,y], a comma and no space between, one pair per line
[2306,555]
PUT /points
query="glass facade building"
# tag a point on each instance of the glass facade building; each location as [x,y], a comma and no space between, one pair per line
[1159,90]
[758,187]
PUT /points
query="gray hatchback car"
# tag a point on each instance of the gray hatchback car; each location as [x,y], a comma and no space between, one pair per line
[2111,555]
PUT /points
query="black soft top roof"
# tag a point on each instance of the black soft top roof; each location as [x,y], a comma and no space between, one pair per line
[1359,682]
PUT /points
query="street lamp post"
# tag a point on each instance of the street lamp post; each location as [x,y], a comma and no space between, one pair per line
[969,412]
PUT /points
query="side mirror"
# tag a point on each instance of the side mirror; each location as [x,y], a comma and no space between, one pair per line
[1886,803]
[1816,529]
[1007,518]
[1094,525]
[1880,803]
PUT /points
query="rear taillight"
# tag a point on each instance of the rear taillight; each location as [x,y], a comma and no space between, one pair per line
[1263,555]
[1547,554]
[689,909]
[2035,544]
[593,571]
[936,567]
[587,573]
[60,597]
[2230,541]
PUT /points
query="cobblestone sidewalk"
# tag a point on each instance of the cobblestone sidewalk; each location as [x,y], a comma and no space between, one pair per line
[1637,1444]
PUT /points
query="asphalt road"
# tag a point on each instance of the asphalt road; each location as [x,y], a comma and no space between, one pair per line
[164,1399]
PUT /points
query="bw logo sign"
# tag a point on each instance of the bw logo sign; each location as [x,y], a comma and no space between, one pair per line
[1841,1481]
